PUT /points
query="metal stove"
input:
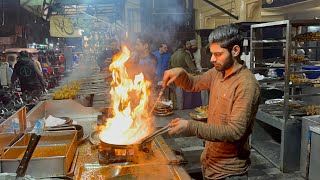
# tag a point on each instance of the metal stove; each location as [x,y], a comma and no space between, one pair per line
[111,153]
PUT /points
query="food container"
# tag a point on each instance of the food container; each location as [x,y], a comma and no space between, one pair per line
[53,156]
[312,75]
[279,72]
[7,139]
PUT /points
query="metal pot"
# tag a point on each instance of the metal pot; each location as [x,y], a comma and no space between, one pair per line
[142,146]
[77,127]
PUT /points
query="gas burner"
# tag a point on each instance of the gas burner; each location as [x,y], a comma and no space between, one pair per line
[111,153]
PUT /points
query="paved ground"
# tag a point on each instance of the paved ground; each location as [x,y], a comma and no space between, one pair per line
[261,169]
[191,148]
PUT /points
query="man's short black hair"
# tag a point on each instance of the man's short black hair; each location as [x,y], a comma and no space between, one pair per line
[161,45]
[24,54]
[228,36]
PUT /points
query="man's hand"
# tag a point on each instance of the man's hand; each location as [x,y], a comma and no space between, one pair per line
[178,125]
[171,75]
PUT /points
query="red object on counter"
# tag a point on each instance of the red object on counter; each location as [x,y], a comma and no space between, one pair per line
[50,70]
[61,69]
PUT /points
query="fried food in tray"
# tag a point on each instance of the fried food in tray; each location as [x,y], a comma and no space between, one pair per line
[312,110]
[295,58]
[201,109]
[199,116]
[309,36]
[297,78]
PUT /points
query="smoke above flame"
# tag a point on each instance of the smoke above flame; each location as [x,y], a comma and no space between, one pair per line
[130,120]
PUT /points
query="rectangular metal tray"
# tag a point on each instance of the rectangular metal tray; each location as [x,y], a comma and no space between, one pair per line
[53,155]
[19,117]
[157,167]
[7,139]
[128,172]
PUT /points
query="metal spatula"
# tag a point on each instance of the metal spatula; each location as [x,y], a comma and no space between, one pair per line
[159,96]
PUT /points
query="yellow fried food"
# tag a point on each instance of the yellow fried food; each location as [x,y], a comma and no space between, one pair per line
[295,78]
[202,109]
[67,91]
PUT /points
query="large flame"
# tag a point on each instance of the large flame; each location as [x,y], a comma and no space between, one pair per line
[130,121]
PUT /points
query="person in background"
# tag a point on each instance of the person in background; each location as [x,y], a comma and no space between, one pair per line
[145,61]
[205,65]
[163,57]
[12,60]
[195,54]
[29,76]
[44,60]
[5,72]
[187,45]
[34,58]
[112,48]
[193,99]
[181,58]
[232,106]
[75,59]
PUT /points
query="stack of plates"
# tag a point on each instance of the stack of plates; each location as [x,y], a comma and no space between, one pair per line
[163,110]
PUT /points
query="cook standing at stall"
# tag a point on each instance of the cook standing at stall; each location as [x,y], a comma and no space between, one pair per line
[233,104]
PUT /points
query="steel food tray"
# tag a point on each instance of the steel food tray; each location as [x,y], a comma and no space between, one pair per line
[129,172]
[7,139]
[52,157]
[156,168]
[19,117]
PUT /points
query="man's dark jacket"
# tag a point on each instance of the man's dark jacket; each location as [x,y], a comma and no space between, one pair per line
[28,74]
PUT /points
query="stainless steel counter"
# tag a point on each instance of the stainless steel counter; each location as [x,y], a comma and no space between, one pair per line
[190,147]
[87,164]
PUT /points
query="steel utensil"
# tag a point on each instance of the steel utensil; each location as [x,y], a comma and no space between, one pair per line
[155,134]
[160,94]
[22,168]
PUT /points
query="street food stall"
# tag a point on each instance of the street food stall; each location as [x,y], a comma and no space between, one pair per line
[116,141]
[59,153]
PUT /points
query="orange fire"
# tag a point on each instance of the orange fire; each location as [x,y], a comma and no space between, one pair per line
[130,121]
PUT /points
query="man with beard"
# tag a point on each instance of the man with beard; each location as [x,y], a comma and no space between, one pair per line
[194,99]
[233,104]
[181,58]
[195,53]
